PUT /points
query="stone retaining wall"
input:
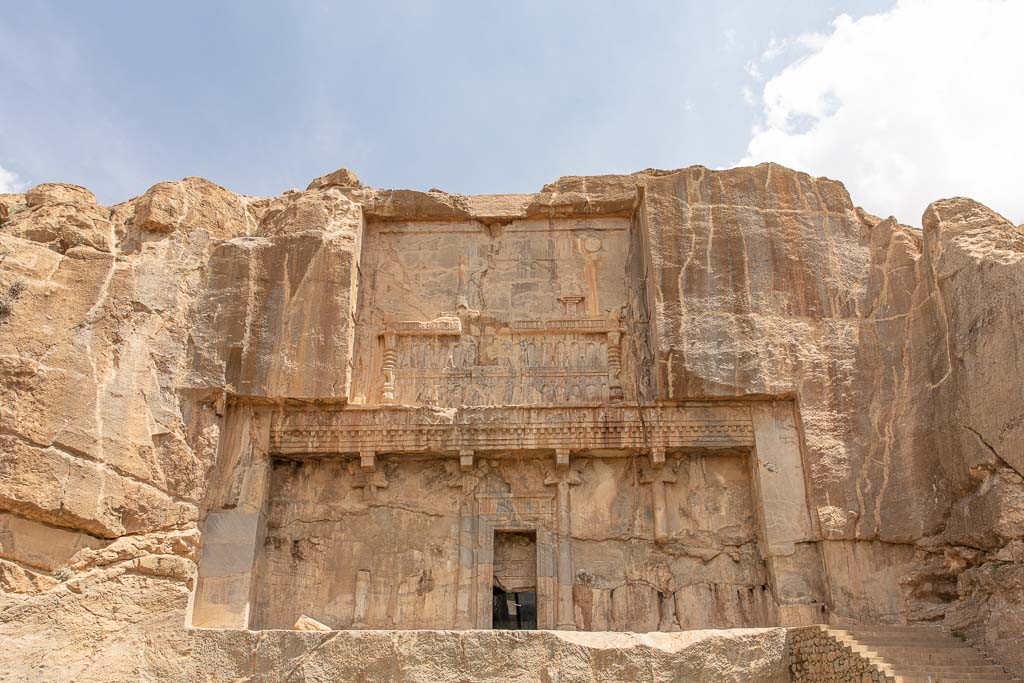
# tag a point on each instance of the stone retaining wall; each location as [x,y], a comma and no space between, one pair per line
[815,654]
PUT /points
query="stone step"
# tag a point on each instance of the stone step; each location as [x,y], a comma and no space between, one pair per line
[936,642]
[912,649]
[916,670]
[938,651]
[953,679]
[892,628]
[925,677]
[917,633]
[912,635]
[897,658]
[930,677]
[898,663]
[922,654]
[902,635]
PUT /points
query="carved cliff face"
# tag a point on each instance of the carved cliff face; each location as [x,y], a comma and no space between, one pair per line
[129,335]
[521,312]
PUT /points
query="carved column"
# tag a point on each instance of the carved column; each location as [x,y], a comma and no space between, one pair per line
[390,361]
[466,480]
[563,477]
[657,477]
[615,367]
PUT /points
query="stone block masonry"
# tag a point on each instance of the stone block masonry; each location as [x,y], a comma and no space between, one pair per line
[818,656]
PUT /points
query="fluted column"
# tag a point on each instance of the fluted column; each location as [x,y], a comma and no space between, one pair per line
[390,361]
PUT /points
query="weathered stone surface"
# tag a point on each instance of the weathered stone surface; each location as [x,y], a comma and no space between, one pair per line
[340,178]
[58,193]
[977,260]
[707,398]
[742,655]
[990,608]
[305,623]
[193,204]
[10,203]
[301,268]
[62,226]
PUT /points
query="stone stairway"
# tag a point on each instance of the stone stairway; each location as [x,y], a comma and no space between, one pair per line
[921,654]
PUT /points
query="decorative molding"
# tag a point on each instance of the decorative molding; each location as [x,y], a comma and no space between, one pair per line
[562,326]
[396,430]
[436,361]
[504,508]
[506,512]
[443,326]
[451,325]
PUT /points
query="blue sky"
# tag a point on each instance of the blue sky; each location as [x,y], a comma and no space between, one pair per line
[470,97]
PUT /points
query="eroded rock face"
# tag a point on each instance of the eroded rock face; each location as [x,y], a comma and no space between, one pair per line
[64,226]
[58,193]
[193,204]
[340,178]
[154,355]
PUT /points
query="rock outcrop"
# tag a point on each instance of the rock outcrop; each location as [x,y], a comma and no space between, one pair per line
[128,332]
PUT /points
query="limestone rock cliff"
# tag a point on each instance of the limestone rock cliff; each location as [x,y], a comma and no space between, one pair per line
[124,331]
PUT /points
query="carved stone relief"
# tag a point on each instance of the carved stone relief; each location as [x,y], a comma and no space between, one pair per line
[536,316]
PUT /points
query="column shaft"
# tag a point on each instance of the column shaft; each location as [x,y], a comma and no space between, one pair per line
[566,618]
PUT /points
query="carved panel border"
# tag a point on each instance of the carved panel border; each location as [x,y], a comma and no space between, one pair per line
[421,430]
[504,512]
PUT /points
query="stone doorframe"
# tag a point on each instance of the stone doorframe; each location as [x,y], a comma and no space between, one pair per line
[502,512]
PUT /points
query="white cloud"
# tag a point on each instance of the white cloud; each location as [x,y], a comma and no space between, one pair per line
[776,48]
[923,102]
[9,181]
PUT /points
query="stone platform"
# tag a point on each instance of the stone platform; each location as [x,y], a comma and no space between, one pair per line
[746,654]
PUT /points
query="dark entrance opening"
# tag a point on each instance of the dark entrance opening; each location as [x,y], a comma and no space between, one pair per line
[514,602]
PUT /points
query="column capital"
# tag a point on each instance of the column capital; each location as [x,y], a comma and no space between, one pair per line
[665,475]
[566,476]
[562,458]
[368,461]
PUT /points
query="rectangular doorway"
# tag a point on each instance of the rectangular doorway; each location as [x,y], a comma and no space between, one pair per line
[515,580]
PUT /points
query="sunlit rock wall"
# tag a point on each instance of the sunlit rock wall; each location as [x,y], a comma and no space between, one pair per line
[323,553]
[124,330]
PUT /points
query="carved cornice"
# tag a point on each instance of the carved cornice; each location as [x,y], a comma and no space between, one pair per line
[443,326]
[421,430]
[563,326]
[451,325]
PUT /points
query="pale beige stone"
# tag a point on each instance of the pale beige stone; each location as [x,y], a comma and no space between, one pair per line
[11,203]
[305,623]
[340,178]
[62,226]
[703,399]
[193,204]
[58,193]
